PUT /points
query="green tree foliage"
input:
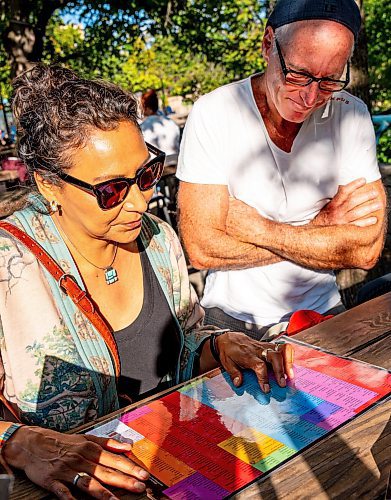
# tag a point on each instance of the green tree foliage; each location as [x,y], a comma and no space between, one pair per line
[157,63]
[207,42]
[378,26]
[226,32]
[384,147]
[164,66]
[186,48]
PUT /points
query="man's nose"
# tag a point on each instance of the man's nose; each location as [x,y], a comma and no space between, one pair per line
[310,94]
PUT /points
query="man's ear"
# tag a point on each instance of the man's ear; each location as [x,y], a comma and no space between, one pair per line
[267,43]
[48,190]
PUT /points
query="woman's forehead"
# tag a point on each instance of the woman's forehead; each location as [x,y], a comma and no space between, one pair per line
[111,153]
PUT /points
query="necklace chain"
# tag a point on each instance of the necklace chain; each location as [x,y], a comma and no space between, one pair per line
[84,257]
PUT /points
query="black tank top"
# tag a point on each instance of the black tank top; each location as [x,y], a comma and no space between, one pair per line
[149,347]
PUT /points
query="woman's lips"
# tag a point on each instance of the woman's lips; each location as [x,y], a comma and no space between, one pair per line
[131,225]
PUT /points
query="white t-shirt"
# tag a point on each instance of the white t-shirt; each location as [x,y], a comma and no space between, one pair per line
[225,142]
[162,132]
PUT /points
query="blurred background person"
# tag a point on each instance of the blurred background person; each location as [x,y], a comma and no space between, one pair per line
[156,127]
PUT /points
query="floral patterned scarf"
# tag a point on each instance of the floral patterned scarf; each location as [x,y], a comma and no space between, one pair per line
[57,369]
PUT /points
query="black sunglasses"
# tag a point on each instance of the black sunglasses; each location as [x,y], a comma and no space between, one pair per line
[111,193]
[302,79]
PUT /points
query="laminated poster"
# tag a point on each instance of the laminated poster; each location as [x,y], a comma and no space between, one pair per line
[208,439]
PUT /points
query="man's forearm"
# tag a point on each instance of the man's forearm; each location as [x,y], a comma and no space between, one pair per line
[233,235]
[315,247]
[329,243]
[321,247]
[217,250]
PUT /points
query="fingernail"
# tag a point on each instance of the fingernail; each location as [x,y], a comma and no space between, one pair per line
[282,382]
[139,486]
[236,381]
[291,373]
[143,474]
[266,387]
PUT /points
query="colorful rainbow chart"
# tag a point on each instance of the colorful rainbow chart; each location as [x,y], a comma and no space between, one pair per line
[208,439]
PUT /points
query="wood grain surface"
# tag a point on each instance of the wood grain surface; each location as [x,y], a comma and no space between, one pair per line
[353,330]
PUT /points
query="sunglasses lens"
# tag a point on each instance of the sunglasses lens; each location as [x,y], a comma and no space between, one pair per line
[150,176]
[112,193]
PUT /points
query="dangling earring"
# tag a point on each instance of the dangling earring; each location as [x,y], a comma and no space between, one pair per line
[53,205]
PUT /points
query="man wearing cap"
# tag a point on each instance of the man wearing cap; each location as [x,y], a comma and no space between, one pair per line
[279,178]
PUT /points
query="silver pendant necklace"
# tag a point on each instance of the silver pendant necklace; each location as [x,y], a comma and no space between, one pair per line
[111,275]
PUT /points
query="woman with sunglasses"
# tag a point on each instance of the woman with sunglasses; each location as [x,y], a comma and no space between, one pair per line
[61,366]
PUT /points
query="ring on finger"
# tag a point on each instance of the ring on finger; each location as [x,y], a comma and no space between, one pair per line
[265,353]
[78,476]
[278,346]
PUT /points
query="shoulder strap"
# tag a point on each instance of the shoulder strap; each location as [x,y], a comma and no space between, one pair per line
[68,285]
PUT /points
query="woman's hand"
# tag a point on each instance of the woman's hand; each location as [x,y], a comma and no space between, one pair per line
[237,351]
[52,460]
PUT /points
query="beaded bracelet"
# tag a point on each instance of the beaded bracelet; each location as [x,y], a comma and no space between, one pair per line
[8,433]
[213,346]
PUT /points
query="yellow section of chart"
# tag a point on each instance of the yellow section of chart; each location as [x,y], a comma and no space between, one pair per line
[251,446]
[160,463]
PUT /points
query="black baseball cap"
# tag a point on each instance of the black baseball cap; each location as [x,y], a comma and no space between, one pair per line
[345,12]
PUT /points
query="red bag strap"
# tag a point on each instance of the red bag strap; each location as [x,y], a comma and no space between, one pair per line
[12,408]
[68,285]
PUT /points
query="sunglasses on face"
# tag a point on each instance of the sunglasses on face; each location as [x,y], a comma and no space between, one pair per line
[112,193]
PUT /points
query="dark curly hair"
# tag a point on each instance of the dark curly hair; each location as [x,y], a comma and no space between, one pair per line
[55,111]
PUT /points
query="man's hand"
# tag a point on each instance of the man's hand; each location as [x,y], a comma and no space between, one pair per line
[353,204]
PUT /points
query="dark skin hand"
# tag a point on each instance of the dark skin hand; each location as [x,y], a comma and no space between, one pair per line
[237,352]
[52,460]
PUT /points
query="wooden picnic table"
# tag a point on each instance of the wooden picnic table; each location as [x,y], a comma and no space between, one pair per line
[354,461]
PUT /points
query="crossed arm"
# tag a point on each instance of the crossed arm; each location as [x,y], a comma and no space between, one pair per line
[220,232]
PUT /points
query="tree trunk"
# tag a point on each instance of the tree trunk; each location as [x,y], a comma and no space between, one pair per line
[24,41]
[359,82]
[19,40]
[19,37]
